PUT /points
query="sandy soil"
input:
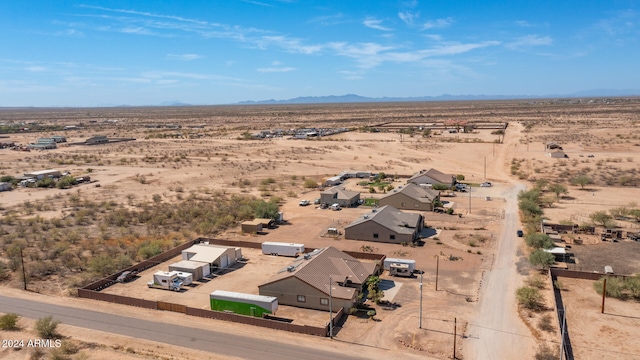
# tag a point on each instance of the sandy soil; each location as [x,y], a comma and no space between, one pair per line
[133,172]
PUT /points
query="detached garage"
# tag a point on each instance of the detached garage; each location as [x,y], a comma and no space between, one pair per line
[196,268]
[214,255]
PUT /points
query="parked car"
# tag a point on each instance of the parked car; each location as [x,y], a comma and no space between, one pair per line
[126,276]
[335,207]
[485,184]
[520,233]
[304,202]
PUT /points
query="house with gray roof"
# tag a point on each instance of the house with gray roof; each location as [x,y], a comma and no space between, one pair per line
[411,197]
[305,283]
[386,224]
[432,176]
[339,195]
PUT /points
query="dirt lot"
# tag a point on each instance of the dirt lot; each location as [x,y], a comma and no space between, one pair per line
[612,335]
[167,166]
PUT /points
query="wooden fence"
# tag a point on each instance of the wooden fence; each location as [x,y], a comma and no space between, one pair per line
[92,291]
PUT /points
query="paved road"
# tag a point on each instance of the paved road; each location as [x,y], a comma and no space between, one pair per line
[212,341]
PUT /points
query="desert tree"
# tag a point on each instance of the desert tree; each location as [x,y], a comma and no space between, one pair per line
[530,298]
[539,241]
[581,180]
[600,217]
[541,258]
[558,189]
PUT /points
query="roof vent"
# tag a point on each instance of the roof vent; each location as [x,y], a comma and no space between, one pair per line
[307,256]
[373,210]
[291,268]
[366,216]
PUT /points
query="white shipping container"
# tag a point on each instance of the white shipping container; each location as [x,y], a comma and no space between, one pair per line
[409,262]
[282,249]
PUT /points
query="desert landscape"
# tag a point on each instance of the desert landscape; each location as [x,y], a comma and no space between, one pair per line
[201,171]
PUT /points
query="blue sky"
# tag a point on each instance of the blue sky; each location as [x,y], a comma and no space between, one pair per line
[94,53]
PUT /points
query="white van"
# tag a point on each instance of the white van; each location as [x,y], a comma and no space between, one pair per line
[335,207]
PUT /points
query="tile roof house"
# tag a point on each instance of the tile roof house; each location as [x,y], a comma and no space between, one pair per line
[338,195]
[432,176]
[305,283]
[386,224]
[411,197]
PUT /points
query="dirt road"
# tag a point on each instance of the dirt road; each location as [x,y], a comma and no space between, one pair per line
[497,332]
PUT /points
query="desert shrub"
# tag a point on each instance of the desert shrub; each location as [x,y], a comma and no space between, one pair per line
[541,258]
[545,323]
[9,322]
[530,298]
[620,288]
[310,184]
[536,281]
[440,187]
[46,327]
[546,353]
[102,264]
[539,241]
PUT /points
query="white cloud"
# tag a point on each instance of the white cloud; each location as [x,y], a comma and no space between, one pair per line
[375,24]
[275,69]
[437,24]
[36,68]
[529,41]
[523,23]
[185,57]
[408,17]
[288,44]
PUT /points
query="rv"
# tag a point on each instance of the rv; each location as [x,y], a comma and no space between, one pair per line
[396,269]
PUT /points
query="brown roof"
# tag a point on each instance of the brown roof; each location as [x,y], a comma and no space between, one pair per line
[434,174]
[342,194]
[391,218]
[416,192]
[325,263]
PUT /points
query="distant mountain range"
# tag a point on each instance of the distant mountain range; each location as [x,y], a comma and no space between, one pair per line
[353,98]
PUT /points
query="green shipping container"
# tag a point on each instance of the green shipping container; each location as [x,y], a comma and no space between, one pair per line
[243,304]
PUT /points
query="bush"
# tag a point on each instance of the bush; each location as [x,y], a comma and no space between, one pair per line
[545,323]
[9,322]
[310,184]
[542,258]
[530,298]
[546,353]
[539,241]
[46,327]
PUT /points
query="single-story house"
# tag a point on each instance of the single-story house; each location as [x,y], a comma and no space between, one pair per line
[338,195]
[386,224]
[98,139]
[218,257]
[432,176]
[411,197]
[305,283]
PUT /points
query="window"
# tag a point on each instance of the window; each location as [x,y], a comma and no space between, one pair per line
[375,236]
[302,298]
[392,237]
[324,301]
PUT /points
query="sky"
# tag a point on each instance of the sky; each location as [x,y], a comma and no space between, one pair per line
[106,53]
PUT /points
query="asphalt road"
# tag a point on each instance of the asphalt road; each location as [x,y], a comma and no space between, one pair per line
[212,341]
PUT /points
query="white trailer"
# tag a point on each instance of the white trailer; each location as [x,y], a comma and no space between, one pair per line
[185,277]
[167,280]
[396,269]
[409,262]
[283,249]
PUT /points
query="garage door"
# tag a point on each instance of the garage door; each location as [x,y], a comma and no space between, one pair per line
[224,261]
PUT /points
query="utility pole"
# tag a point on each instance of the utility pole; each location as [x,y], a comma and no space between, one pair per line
[485,168]
[24,273]
[330,311]
[469,198]
[437,270]
[420,326]
[604,294]
[455,327]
